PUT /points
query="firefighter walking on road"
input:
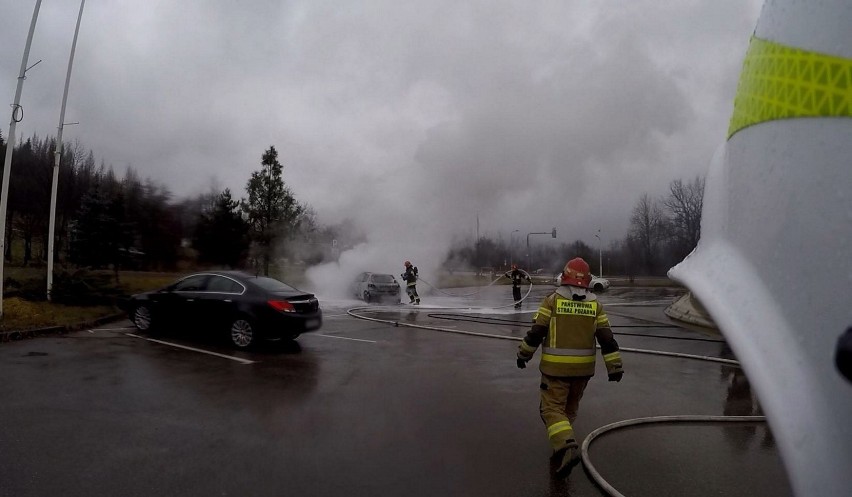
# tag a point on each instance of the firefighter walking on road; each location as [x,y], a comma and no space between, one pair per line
[517,276]
[410,277]
[566,326]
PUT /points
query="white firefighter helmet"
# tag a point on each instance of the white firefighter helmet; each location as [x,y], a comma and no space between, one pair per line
[774,264]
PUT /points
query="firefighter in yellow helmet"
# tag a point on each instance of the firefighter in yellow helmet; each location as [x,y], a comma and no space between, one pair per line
[566,326]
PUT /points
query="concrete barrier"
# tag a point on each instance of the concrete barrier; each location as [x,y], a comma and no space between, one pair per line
[688,309]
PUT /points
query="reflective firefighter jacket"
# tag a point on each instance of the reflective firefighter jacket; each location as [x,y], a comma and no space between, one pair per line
[566,326]
[517,277]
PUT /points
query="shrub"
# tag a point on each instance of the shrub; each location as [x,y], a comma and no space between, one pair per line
[32,289]
[84,288]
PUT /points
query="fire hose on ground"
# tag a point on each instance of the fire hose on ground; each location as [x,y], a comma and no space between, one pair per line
[529,290]
[584,448]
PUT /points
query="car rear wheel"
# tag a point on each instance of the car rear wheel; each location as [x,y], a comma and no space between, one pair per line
[243,334]
[142,318]
[598,287]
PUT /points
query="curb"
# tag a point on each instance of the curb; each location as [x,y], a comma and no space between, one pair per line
[15,335]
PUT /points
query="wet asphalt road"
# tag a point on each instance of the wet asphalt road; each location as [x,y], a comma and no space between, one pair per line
[363,408]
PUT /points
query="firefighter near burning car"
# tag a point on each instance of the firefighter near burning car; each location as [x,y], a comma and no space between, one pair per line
[566,326]
[410,278]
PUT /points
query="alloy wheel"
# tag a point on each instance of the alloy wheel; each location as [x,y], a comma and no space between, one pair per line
[241,333]
[142,318]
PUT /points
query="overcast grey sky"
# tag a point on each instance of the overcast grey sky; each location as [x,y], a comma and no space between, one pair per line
[406,116]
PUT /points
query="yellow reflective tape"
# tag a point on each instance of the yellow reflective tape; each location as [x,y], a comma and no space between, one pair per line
[571,359]
[558,427]
[603,319]
[527,348]
[544,311]
[612,356]
[573,307]
[782,82]
[572,352]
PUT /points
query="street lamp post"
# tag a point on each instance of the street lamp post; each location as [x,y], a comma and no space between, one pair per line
[17,115]
[57,157]
[600,252]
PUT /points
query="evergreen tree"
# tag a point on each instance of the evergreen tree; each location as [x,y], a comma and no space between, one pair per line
[92,240]
[221,235]
[271,208]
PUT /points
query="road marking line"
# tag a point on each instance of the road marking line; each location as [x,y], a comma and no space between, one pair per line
[334,315]
[113,329]
[344,338]
[202,351]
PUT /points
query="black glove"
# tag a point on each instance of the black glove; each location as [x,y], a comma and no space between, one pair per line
[616,377]
[522,364]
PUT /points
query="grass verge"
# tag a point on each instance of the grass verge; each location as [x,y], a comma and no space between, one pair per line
[20,314]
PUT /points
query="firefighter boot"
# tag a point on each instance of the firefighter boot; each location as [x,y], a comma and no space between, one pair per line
[570,458]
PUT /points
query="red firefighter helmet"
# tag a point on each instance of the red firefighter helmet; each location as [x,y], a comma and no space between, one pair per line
[577,273]
[407,263]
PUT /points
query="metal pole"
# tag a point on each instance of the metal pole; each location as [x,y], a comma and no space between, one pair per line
[58,155]
[10,145]
[600,257]
[529,258]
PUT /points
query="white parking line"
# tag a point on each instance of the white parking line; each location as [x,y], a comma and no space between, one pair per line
[344,338]
[223,356]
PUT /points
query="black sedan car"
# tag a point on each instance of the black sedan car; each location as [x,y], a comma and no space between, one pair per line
[248,308]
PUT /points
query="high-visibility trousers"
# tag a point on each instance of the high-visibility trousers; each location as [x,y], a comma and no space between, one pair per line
[411,290]
[560,400]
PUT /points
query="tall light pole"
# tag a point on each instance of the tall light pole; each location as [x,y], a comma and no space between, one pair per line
[17,115]
[600,251]
[58,156]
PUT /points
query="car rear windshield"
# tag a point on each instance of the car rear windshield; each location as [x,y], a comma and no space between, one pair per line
[383,278]
[272,285]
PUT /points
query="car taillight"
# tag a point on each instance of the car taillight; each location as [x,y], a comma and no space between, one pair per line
[281,305]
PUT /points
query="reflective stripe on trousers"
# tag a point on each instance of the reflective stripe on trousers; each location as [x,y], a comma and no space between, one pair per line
[560,400]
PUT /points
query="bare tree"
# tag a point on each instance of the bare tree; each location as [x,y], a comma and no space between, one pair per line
[684,203]
[647,232]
